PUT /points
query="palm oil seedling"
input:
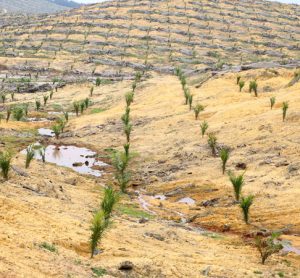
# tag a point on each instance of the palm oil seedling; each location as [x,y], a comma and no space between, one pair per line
[127,131]
[224,155]
[133,86]
[129,98]
[126,116]
[272,102]
[66,115]
[82,107]
[245,205]
[42,153]
[18,113]
[98,82]
[3,98]
[120,161]
[51,94]
[8,113]
[29,156]
[197,109]
[37,105]
[86,102]
[56,130]
[12,95]
[45,98]
[91,91]
[237,183]
[285,106]
[99,225]
[76,106]
[110,199]
[268,246]
[5,163]
[212,142]
[204,127]
[241,85]
[186,92]
[190,101]
[253,87]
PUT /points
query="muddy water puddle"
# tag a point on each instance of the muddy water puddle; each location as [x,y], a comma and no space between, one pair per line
[81,160]
[46,132]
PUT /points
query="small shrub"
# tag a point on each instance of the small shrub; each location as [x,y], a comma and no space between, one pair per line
[129,98]
[98,271]
[48,246]
[272,102]
[197,109]
[245,205]
[253,87]
[37,105]
[99,225]
[268,246]
[18,113]
[238,79]
[29,156]
[109,200]
[237,182]
[224,155]
[212,142]
[12,95]
[5,163]
[241,85]
[285,106]
[204,127]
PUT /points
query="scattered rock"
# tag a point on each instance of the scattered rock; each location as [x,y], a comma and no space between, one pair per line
[174,192]
[19,171]
[143,220]
[226,228]
[126,266]
[71,181]
[154,235]
[77,164]
[210,203]
[241,166]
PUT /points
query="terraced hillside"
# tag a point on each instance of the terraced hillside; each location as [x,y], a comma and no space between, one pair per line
[115,38]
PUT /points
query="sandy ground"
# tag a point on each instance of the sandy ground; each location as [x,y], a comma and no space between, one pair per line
[54,205]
